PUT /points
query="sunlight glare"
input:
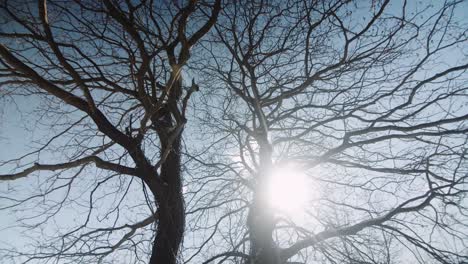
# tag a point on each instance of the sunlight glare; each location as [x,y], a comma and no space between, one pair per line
[288,190]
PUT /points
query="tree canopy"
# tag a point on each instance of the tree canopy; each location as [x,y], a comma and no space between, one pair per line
[188,131]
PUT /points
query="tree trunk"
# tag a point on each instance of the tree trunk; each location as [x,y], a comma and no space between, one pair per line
[169,234]
[171,212]
[261,224]
[261,218]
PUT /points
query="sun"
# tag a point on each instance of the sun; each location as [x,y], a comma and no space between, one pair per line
[288,190]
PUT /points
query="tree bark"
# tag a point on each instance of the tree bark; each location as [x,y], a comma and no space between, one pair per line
[171,212]
[261,224]
[261,219]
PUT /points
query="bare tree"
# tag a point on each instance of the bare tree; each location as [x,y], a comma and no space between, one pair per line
[368,100]
[107,77]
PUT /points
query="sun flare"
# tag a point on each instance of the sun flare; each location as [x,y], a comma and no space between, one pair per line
[288,190]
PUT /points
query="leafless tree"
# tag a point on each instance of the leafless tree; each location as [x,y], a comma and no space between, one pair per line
[106,77]
[368,98]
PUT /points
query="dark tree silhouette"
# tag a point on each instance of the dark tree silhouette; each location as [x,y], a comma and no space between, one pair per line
[108,75]
[368,99]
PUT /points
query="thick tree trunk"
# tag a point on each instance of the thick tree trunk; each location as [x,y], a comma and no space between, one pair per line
[261,219]
[171,212]
[261,225]
[169,234]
